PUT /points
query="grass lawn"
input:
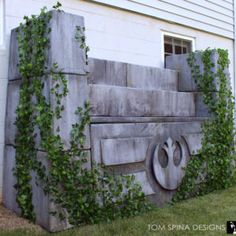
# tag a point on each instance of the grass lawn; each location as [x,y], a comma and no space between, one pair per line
[213,209]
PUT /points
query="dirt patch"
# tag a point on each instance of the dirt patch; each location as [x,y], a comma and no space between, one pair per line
[10,221]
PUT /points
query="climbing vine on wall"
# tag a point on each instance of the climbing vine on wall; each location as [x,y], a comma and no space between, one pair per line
[84,195]
[80,37]
[214,167]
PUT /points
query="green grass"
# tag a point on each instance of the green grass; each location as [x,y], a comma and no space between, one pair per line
[213,209]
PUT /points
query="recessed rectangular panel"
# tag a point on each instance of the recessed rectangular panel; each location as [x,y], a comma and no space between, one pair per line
[124,150]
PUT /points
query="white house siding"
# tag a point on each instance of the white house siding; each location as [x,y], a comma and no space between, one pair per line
[3,89]
[211,16]
[117,34]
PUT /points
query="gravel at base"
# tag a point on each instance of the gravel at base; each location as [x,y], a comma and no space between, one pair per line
[10,221]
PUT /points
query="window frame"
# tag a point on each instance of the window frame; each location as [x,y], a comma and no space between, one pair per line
[174,35]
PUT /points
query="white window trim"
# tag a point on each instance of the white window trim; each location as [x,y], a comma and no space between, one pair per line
[180,36]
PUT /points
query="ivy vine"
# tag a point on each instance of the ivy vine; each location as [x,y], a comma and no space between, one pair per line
[80,37]
[84,195]
[214,167]
[32,41]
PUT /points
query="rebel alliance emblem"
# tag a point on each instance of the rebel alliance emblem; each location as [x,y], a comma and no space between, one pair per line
[168,163]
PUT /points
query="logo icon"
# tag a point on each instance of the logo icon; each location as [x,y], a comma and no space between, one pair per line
[231,227]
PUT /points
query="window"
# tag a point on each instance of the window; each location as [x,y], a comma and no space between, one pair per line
[175,44]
